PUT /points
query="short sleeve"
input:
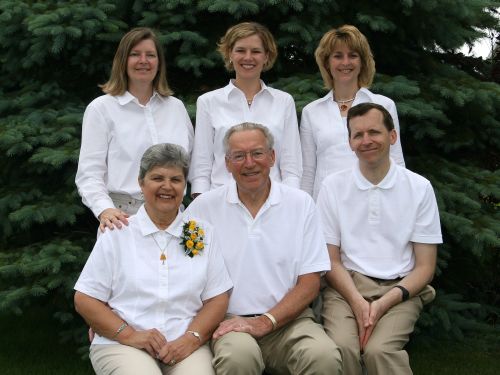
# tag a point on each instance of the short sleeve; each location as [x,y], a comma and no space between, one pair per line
[97,275]
[328,214]
[218,280]
[427,225]
[315,254]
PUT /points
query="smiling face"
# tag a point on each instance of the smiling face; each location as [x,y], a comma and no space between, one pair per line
[252,173]
[163,189]
[370,139]
[142,63]
[344,65]
[248,57]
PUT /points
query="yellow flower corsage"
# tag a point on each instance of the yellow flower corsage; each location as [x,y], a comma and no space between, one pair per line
[192,239]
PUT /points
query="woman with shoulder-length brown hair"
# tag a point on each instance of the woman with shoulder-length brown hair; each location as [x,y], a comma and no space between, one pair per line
[347,67]
[137,111]
[248,49]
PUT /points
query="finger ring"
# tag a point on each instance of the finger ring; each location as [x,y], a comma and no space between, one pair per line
[172,362]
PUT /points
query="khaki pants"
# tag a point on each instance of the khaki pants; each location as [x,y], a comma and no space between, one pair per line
[120,359]
[126,203]
[384,353]
[300,347]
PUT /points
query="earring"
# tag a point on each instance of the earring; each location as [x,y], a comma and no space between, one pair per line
[230,62]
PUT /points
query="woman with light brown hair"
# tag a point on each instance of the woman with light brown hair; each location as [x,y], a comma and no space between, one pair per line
[136,112]
[248,49]
[347,67]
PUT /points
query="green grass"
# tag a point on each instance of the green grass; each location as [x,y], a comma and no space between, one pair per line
[474,356]
[30,345]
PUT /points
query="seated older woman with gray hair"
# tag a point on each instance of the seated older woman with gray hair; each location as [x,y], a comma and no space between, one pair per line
[155,291]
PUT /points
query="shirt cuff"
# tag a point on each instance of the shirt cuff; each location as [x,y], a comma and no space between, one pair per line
[101,206]
[200,185]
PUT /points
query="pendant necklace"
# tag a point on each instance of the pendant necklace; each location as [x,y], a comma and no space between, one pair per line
[343,103]
[163,257]
[249,102]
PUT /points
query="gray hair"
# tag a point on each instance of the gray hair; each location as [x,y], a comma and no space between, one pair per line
[164,155]
[248,126]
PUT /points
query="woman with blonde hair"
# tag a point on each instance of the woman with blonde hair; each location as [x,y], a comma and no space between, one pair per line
[137,111]
[248,49]
[347,67]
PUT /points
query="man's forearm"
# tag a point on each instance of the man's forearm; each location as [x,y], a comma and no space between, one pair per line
[297,299]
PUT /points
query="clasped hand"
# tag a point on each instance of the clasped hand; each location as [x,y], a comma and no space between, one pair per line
[367,315]
[159,348]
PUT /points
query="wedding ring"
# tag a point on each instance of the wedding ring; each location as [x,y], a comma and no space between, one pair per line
[172,362]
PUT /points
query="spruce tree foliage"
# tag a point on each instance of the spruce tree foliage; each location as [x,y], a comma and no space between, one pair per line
[54,53]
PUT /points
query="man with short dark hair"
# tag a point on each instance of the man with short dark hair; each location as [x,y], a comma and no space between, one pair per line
[274,251]
[381,224]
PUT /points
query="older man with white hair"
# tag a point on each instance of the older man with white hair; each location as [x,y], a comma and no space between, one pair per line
[275,252]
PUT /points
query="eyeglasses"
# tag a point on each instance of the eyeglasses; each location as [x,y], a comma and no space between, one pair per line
[240,156]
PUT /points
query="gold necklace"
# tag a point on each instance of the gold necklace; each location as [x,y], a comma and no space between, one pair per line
[163,257]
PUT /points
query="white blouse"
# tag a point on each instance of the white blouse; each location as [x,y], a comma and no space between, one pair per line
[218,110]
[325,141]
[116,131]
[125,271]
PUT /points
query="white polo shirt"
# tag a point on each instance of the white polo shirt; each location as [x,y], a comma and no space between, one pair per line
[116,131]
[218,110]
[325,141]
[124,270]
[375,225]
[265,255]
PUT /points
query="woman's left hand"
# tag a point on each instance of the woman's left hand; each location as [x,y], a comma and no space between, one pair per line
[175,351]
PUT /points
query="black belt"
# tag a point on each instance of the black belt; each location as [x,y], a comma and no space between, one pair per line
[384,280]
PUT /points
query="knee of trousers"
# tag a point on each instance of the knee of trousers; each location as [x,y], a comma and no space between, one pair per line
[237,351]
[380,352]
[321,358]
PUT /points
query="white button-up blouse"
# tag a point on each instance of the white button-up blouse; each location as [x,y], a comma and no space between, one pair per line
[116,131]
[218,110]
[125,271]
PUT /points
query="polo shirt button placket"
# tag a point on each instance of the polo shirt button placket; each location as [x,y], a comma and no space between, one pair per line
[374,205]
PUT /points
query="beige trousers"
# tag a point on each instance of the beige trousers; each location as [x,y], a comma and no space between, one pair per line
[300,347]
[126,203]
[384,353]
[120,359]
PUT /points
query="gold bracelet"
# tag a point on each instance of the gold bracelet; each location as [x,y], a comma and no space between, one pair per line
[272,319]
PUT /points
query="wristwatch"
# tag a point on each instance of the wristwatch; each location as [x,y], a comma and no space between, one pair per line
[195,334]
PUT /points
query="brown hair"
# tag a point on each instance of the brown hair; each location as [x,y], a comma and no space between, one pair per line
[117,83]
[243,30]
[363,108]
[355,40]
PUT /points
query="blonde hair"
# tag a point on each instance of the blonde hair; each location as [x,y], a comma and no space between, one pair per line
[244,30]
[117,83]
[353,39]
